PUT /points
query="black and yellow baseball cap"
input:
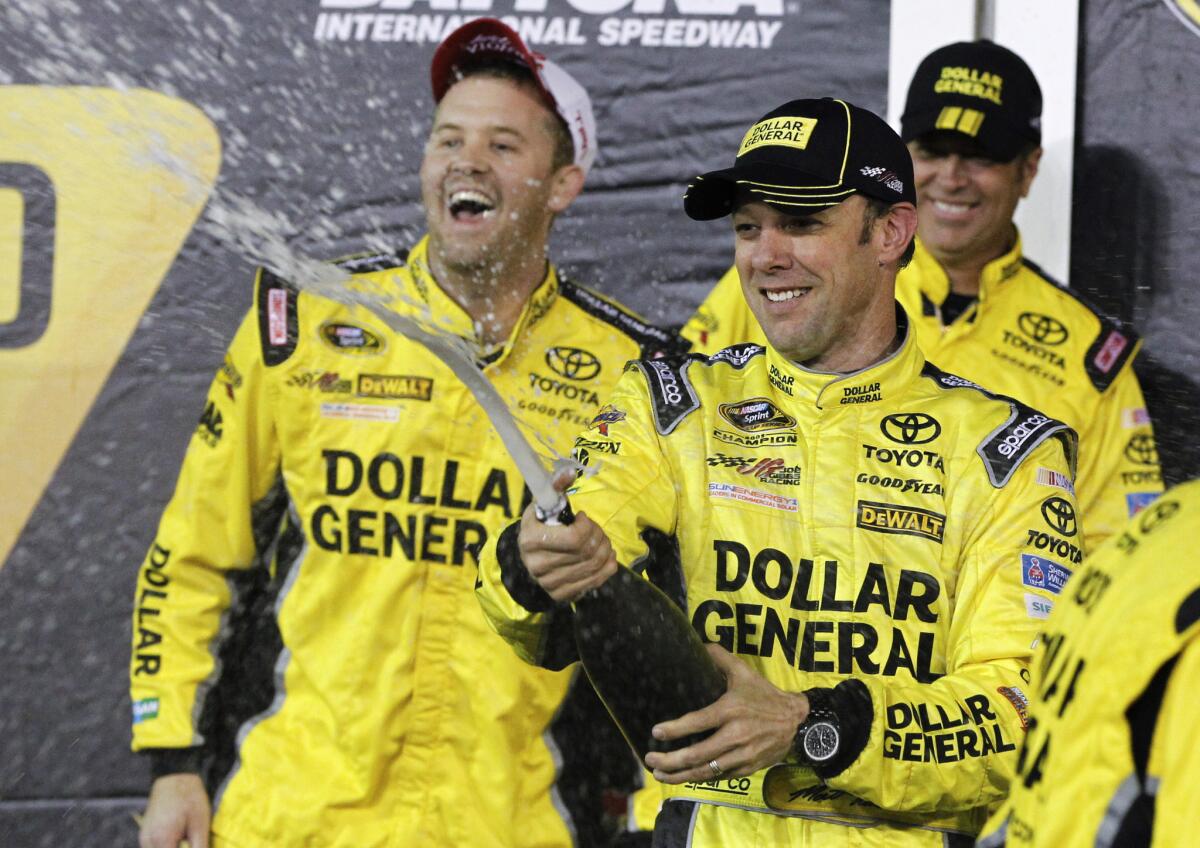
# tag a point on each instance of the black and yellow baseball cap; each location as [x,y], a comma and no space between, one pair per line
[806,156]
[980,90]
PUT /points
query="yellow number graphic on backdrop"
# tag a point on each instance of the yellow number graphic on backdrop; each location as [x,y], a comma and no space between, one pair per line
[119,179]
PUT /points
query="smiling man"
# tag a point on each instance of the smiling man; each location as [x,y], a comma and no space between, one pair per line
[856,532]
[979,308]
[307,652]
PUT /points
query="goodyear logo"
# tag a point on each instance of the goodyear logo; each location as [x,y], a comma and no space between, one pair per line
[783,132]
[396,386]
[902,520]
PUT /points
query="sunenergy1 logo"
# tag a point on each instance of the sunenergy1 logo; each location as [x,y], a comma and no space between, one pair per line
[741,24]
[98,190]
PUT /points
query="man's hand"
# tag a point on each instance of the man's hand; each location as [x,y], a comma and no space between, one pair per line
[566,560]
[178,810]
[754,721]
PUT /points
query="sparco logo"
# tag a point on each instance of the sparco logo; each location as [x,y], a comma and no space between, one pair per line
[911,428]
[1141,451]
[1059,515]
[1042,328]
[573,363]
[667,381]
[1020,435]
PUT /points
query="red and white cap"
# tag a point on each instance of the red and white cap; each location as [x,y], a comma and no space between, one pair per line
[488,38]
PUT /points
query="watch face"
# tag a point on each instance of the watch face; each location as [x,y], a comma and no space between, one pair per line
[821,741]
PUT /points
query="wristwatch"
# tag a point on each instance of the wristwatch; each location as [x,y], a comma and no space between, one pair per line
[819,737]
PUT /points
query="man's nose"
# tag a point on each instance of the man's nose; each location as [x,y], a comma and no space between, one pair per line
[469,158]
[952,171]
[772,251]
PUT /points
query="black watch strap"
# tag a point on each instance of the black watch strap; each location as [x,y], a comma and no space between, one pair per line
[849,709]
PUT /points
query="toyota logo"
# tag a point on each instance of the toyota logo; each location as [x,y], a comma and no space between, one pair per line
[573,363]
[911,428]
[1141,450]
[1059,515]
[1156,514]
[1042,328]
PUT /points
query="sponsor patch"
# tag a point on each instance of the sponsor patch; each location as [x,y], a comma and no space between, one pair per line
[758,440]
[395,386]
[1137,501]
[1042,328]
[1037,607]
[1020,703]
[756,414]
[1041,573]
[211,426]
[359,412]
[738,355]
[277,307]
[868,393]
[778,132]
[145,709]
[1109,352]
[351,338]
[574,363]
[229,377]
[599,447]
[1059,515]
[910,428]
[607,416]
[1056,479]
[1135,417]
[901,520]
[752,496]
[1141,450]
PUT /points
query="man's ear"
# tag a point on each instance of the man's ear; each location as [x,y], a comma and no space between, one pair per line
[895,230]
[565,186]
[1029,169]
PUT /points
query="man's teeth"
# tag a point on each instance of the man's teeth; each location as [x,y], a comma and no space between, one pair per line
[468,200]
[780,296]
[943,206]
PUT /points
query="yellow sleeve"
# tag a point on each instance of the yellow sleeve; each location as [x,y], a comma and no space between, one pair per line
[1173,759]
[723,319]
[229,487]
[1119,470]
[626,489]
[952,744]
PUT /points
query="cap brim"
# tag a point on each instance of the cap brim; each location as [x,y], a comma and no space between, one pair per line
[712,195]
[999,139]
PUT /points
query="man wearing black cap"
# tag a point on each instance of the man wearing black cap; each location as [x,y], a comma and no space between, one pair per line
[847,524]
[979,308]
[307,651]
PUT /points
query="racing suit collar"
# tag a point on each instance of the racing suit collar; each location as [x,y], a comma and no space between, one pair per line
[821,390]
[425,291]
[935,284]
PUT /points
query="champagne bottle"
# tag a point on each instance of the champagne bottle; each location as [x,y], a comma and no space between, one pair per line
[644,659]
[639,650]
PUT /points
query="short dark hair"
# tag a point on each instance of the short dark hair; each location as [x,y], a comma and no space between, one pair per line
[564,147]
[872,212]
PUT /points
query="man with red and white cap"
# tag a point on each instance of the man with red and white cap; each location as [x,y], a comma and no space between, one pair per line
[307,652]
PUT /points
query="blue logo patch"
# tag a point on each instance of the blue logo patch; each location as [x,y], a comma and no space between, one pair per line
[145,709]
[1137,501]
[1041,573]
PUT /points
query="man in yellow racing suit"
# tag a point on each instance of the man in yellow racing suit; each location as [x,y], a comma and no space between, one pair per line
[979,307]
[305,637]
[845,521]
[1112,757]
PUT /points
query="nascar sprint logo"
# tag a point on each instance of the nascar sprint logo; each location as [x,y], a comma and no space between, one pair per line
[737,24]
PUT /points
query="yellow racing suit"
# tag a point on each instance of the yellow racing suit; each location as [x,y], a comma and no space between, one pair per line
[305,633]
[1112,757]
[1027,337]
[861,536]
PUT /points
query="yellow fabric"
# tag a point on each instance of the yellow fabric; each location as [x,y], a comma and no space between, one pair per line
[400,718]
[1118,464]
[1119,622]
[771,516]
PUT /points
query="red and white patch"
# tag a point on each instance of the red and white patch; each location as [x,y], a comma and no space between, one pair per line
[277,305]
[1110,350]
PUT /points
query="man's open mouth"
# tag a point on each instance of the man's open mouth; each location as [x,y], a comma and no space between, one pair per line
[469,204]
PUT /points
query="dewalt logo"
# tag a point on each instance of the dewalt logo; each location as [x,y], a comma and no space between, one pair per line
[903,520]
[395,386]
